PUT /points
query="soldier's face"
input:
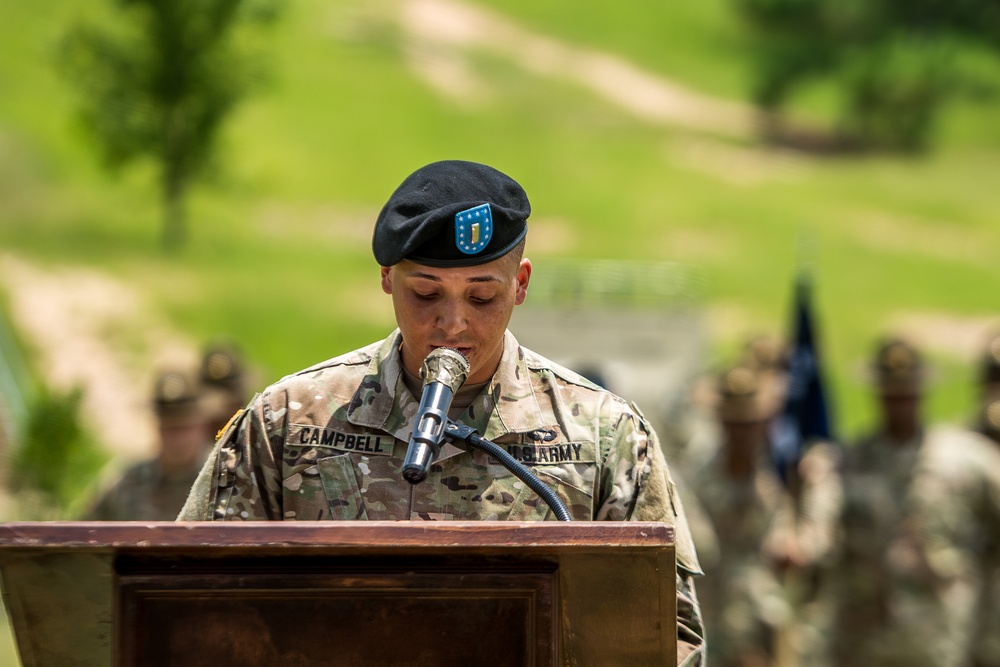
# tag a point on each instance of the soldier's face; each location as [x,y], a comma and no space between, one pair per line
[182,442]
[466,308]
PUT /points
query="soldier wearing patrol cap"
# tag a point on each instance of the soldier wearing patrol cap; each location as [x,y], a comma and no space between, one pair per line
[735,496]
[754,532]
[223,381]
[329,442]
[155,489]
[898,376]
[878,471]
[921,516]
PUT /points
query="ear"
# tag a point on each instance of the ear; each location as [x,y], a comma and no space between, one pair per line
[523,278]
[387,279]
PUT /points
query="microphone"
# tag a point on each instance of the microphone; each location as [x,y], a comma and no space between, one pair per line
[443,372]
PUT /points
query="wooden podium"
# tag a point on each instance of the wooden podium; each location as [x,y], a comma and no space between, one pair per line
[503,594]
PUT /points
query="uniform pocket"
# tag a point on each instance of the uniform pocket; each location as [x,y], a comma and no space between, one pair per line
[340,485]
[572,483]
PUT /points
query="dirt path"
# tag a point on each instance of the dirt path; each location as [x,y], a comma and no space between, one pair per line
[443,32]
[88,329]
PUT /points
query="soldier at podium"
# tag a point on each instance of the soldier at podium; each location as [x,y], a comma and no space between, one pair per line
[329,442]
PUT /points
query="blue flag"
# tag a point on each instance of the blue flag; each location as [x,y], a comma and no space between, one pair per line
[805,416]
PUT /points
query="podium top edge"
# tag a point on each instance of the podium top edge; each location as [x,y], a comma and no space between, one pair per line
[320,535]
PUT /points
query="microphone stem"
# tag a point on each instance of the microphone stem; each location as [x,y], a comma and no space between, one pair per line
[469,436]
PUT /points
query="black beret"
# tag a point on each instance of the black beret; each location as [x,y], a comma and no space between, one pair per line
[451,213]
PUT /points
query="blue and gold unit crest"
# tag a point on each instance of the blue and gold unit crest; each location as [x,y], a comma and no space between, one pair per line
[473,229]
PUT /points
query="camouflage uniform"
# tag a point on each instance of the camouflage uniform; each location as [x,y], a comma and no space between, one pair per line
[329,443]
[987,646]
[878,475]
[921,526]
[921,529]
[740,596]
[956,499]
[749,597]
[155,489]
[145,492]
[764,550]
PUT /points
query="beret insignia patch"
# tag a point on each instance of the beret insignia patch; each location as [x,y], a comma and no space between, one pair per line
[473,229]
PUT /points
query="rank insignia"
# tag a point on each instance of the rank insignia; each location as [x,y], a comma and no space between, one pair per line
[473,229]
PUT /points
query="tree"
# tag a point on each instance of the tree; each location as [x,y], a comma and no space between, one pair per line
[894,61]
[57,459]
[159,78]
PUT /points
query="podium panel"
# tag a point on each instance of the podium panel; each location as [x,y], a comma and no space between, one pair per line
[340,593]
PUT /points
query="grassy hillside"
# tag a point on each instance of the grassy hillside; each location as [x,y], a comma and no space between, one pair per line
[279,255]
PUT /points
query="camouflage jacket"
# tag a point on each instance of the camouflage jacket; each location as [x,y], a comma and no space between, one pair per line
[143,493]
[954,571]
[743,527]
[329,443]
[922,541]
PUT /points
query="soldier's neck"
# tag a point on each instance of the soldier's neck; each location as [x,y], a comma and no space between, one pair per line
[740,460]
[901,434]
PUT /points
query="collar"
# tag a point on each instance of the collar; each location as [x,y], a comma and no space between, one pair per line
[506,405]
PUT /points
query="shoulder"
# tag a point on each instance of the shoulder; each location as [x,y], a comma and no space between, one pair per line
[568,383]
[134,479]
[362,357]
[346,370]
[140,473]
[959,453]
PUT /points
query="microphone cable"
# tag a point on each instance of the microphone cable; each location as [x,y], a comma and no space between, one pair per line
[468,435]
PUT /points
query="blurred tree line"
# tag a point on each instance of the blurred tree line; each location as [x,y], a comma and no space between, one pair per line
[159,77]
[895,62]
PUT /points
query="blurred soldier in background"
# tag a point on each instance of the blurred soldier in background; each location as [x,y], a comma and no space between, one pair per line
[921,523]
[878,472]
[952,576]
[986,645]
[223,379]
[988,418]
[155,489]
[800,544]
[691,426]
[737,494]
[750,533]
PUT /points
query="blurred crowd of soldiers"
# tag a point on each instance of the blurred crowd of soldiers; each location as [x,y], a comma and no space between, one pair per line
[884,551]
[191,406]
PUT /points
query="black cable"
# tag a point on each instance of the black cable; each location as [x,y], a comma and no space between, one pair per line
[468,435]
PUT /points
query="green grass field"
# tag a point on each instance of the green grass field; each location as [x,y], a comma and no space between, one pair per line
[279,256]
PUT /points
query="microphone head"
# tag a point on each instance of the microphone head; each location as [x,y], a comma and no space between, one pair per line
[447,366]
